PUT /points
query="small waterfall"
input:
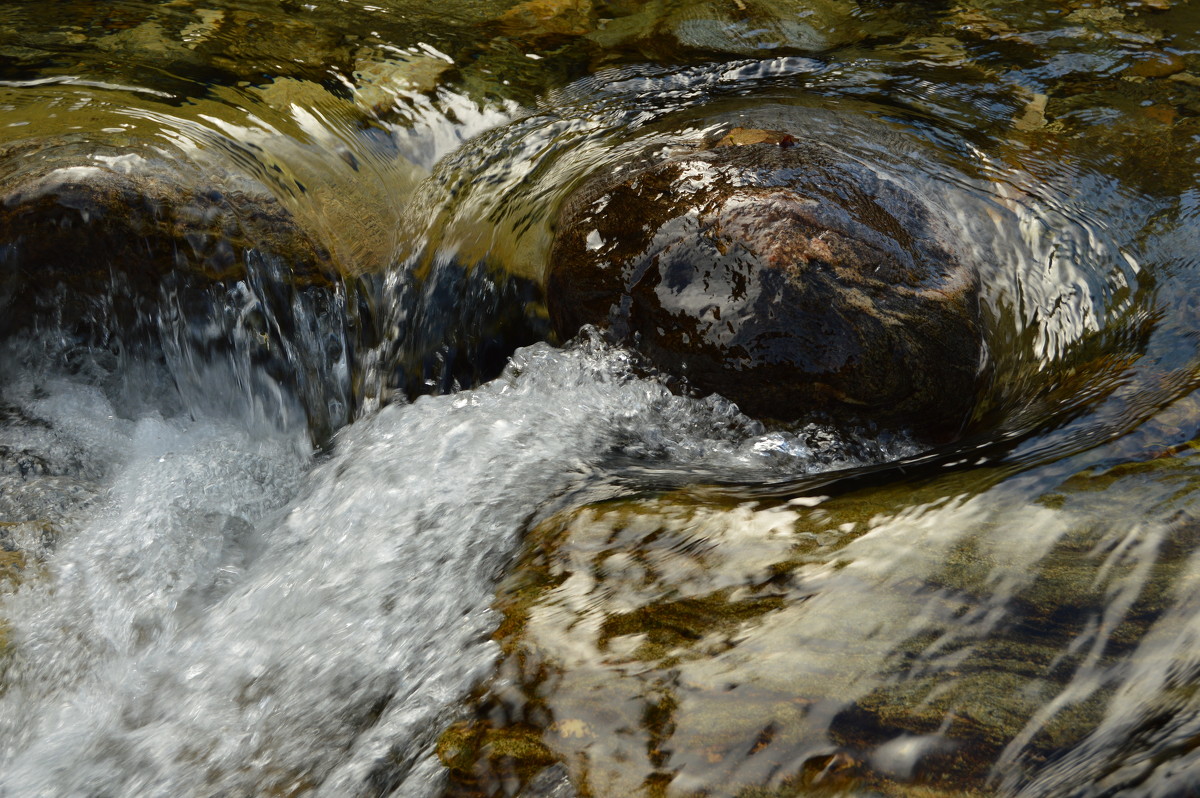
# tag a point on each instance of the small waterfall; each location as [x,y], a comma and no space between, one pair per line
[226,615]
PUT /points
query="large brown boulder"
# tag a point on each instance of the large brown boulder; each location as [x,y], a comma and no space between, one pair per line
[786,276]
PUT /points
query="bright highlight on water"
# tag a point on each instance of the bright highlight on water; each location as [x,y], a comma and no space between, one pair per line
[301,493]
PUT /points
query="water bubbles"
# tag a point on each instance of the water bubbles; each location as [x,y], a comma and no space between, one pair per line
[211,542]
[196,599]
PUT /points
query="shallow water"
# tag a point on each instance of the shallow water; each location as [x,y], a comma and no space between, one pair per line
[280,524]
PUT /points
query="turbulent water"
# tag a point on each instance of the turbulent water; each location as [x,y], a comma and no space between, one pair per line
[224,614]
[286,524]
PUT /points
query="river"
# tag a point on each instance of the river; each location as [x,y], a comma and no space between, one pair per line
[298,496]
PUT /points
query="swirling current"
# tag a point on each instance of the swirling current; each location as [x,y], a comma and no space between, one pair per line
[300,495]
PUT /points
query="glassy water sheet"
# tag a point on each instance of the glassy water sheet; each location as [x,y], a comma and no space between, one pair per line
[918,640]
[195,606]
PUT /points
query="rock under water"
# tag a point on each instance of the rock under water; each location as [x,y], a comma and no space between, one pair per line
[196,263]
[780,273]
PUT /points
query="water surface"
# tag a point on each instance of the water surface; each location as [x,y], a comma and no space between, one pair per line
[282,525]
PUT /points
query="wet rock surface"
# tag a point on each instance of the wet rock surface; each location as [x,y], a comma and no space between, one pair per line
[696,28]
[112,246]
[658,646]
[985,634]
[775,271]
[83,216]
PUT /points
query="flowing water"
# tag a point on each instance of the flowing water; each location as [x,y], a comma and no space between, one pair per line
[280,516]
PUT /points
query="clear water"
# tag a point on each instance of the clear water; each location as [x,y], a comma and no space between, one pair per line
[238,561]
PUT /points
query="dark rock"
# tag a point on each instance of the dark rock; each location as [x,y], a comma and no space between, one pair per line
[787,277]
[456,326]
[165,259]
[88,218]
[160,258]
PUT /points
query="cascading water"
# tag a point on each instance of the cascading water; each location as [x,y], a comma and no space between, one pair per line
[222,614]
[277,519]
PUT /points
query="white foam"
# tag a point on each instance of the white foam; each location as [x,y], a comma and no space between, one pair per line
[228,617]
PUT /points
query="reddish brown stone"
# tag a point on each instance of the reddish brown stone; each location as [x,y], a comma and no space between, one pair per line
[785,276]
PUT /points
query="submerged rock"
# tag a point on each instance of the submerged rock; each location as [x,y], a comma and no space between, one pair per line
[781,274]
[77,214]
[202,266]
[881,641]
[746,28]
[539,19]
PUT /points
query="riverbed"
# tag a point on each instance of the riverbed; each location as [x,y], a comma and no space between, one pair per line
[300,496]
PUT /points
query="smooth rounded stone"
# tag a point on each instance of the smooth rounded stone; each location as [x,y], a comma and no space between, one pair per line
[542,19]
[794,280]
[87,217]
[754,28]
[1157,64]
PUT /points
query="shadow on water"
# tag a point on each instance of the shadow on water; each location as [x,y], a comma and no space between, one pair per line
[300,495]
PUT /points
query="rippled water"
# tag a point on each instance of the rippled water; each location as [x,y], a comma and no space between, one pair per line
[279,517]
